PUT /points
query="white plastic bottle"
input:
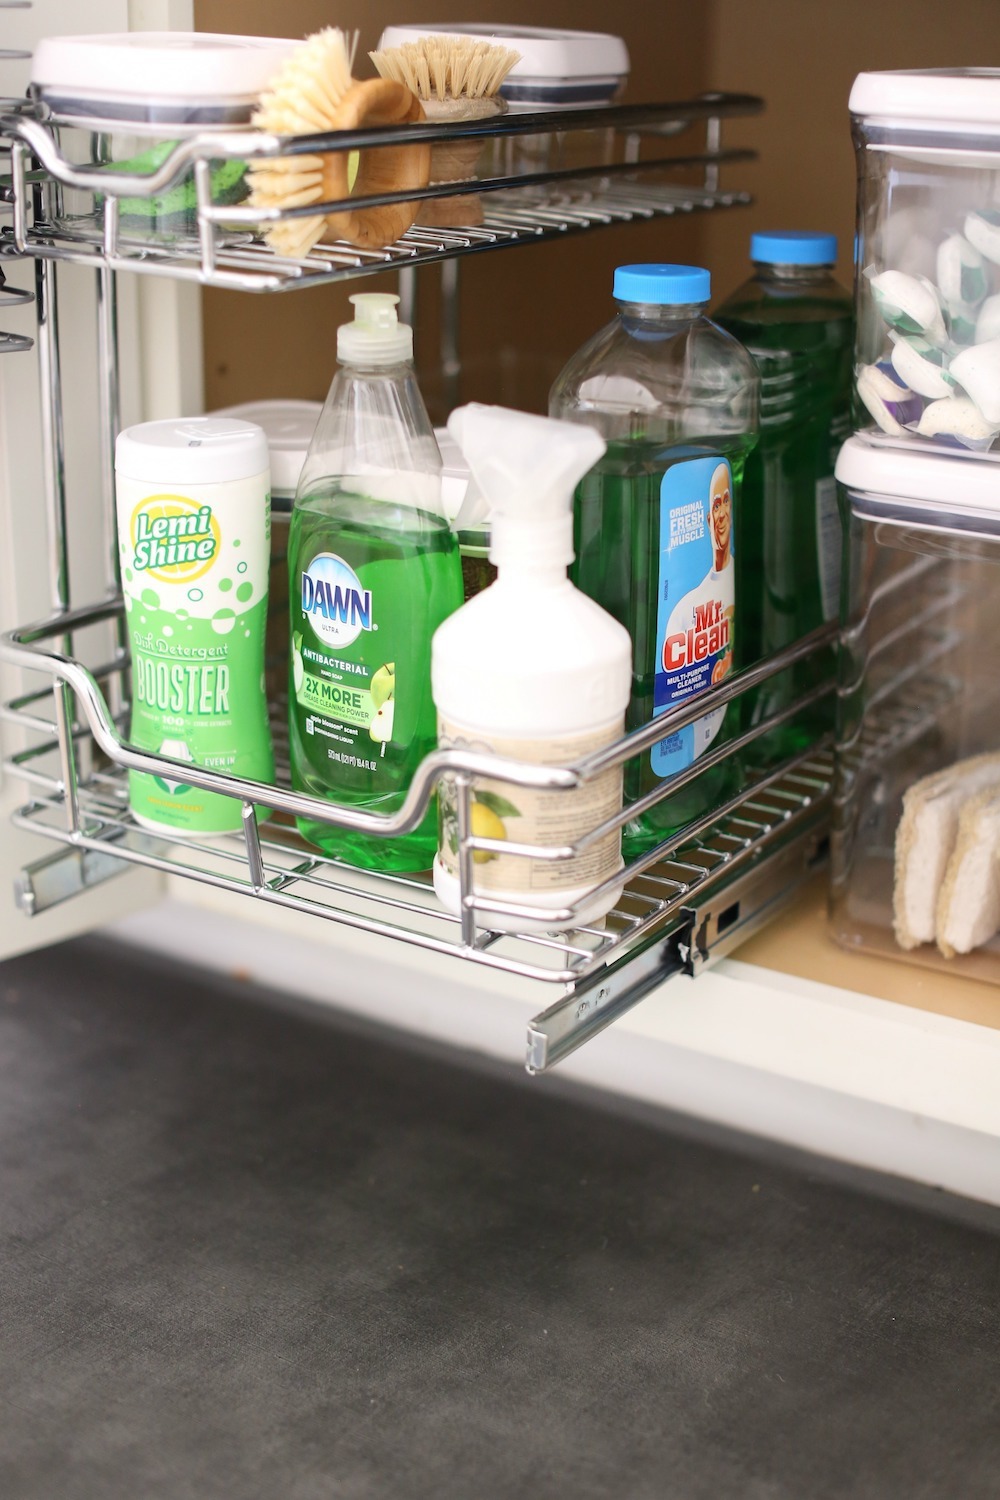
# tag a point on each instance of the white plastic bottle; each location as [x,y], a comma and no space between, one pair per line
[534,670]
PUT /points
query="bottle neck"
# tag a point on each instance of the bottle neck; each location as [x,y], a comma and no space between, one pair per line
[540,550]
[656,315]
[397,368]
[782,275]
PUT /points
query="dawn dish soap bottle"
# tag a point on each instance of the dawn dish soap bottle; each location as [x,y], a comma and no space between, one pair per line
[373,570]
[656,521]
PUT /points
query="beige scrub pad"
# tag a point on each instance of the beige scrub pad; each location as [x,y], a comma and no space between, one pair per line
[925,841]
[314,91]
[456,78]
[968,911]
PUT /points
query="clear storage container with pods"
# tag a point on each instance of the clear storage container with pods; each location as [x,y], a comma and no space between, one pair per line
[916,861]
[927,364]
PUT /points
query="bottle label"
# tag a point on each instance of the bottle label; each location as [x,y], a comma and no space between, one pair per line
[338,676]
[523,815]
[194,569]
[695,615]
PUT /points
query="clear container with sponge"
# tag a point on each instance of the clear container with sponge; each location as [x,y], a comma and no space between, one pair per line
[120,102]
[533,670]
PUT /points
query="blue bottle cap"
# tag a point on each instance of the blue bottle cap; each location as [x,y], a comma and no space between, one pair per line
[665,285]
[794,247]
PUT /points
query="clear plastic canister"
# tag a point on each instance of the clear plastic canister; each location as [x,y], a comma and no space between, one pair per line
[120,102]
[916,825]
[927,356]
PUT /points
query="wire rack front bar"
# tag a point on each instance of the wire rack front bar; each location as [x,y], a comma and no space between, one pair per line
[225,245]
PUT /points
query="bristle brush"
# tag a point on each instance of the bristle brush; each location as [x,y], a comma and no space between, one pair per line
[313,92]
[455,78]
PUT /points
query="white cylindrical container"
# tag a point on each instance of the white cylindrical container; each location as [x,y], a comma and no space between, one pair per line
[289,427]
[193,542]
[533,670]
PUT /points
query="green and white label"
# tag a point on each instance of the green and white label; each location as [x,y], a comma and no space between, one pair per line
[194,571]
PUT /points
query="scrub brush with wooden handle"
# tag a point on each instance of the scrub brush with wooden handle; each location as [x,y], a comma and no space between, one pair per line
[455,78]
[314,91]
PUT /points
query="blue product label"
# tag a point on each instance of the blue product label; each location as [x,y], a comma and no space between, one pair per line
[696,601]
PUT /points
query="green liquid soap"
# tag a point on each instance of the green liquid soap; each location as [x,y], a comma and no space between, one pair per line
[798,325]
[370,581]
[657,524]
[623,560]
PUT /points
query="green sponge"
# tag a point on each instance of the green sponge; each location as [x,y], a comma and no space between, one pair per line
[176,209]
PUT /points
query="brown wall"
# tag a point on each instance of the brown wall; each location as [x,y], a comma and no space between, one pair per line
[524,311]
[802,57]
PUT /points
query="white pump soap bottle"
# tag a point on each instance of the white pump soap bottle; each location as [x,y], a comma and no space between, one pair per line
[533,670]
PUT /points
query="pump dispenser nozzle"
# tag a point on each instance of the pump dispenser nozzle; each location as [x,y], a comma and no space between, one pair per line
[376,337]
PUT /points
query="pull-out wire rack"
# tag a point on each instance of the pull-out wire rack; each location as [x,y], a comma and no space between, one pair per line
[701,890]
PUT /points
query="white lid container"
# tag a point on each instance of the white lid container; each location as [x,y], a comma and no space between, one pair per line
[557,69]
[192,450]
[953,100]
[913,486]
[289,427]
[177,78]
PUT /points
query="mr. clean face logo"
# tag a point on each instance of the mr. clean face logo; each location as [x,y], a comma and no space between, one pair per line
[333,600]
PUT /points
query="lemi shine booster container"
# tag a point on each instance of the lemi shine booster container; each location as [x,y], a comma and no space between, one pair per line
[194,541]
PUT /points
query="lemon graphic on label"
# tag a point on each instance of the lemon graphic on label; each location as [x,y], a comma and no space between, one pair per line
[185,514]
[486,825]
[487,821]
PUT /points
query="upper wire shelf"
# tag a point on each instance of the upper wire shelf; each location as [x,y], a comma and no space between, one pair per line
[544,175]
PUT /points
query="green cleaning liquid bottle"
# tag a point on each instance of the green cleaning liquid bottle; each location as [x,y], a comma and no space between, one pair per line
[798,324]
[657,524]
[373,571]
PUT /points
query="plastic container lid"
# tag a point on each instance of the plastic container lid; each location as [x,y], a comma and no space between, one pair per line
[376,337]
[664,285]
[929,489]
[184,76]
[555,67]
[949,99]
[794,247]
[289,426]
[192,450]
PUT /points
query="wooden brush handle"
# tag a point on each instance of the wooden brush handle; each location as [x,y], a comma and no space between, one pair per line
[381,169]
